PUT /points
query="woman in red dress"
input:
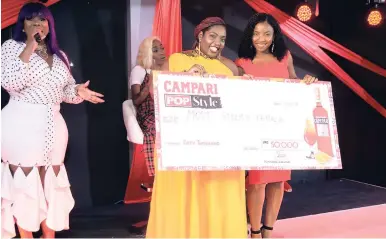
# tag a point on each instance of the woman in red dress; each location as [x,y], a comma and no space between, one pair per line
[263,53]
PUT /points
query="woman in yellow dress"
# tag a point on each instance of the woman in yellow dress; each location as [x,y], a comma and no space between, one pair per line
[192,204]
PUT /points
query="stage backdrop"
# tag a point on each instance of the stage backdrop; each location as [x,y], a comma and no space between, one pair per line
[236,14]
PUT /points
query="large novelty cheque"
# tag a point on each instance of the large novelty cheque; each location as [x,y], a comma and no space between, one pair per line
[228,123]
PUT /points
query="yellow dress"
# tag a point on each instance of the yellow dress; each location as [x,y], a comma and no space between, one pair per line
[198,204]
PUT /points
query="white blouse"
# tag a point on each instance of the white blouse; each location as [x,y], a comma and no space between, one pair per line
[137,75]
[36,83]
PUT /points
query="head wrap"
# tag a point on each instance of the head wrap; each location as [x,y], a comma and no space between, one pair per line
[206,23]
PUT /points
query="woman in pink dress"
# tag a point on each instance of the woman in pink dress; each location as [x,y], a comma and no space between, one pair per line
[263,53]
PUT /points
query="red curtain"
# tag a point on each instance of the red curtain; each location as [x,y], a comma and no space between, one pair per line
[10,10]
[167,26]
[312,42]
[138,174]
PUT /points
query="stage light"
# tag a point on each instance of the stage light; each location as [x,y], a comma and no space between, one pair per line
[374,18]
[304,12]
[375,15]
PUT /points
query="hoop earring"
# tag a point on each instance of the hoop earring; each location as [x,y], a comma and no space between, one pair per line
[272,47]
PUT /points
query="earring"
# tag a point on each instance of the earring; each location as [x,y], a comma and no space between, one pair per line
[199,47]
[23,30]
[251,46]
[272,47]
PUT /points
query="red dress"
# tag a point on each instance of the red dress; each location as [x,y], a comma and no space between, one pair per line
[274,69]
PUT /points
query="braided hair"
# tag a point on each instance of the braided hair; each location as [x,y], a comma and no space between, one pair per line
[246,48]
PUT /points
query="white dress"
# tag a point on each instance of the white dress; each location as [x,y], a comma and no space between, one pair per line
[34,134]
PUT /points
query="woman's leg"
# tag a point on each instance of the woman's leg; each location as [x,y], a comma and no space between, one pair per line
[24,233]
[255,202]
[26,170]
[47,232]
[274,197]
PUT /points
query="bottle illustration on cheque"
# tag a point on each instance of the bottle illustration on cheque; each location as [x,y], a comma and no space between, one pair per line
[317,131]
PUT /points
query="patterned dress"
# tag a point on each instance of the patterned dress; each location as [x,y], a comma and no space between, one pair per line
[146,120]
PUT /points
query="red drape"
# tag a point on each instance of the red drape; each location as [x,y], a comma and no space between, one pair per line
[167,26]
[312,42]
[138,174]
[10,10]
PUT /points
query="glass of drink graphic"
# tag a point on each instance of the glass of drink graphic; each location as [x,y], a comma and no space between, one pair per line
[310,137]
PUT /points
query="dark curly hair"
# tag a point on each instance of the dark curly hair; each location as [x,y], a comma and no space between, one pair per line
[246,48]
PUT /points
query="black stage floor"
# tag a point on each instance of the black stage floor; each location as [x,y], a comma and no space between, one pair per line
[311,198]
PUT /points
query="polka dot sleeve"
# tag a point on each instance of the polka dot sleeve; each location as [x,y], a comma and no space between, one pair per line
[70,93]
[69,90]
[15,74]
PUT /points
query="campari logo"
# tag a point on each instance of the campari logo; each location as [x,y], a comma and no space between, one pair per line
[191,95]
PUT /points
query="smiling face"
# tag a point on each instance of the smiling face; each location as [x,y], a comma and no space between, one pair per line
[158,52]
[262,37]
[212,41]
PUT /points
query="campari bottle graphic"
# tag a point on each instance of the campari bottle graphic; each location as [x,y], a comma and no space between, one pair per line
[322,126]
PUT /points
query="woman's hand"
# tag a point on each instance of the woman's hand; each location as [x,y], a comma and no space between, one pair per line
[309,79]
[249,76]
[145,91]
[197,69]
[89,95]
[30,31]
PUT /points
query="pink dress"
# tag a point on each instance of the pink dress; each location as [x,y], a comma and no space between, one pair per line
[274,69]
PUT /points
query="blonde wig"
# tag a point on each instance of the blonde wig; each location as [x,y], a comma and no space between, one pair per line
[145,52]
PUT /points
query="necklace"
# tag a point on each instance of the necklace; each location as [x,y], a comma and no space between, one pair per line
[196,52]
[41,50]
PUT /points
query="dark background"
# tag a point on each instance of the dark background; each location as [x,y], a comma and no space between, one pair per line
[93,34]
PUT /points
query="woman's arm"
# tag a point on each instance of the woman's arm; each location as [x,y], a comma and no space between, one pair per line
[70,91]
[231,65]
[239,62]
[291,68]
[139,95]
[241,71]
[137,76]
[292,74]
[15,68]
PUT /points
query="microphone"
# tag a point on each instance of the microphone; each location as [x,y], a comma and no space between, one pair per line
[37,37]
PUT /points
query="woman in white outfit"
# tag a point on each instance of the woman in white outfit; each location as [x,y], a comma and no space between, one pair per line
[36,74]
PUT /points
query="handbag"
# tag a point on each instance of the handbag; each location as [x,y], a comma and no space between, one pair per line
[134,131]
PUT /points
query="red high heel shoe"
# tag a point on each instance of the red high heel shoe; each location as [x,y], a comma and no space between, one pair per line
[287,187]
